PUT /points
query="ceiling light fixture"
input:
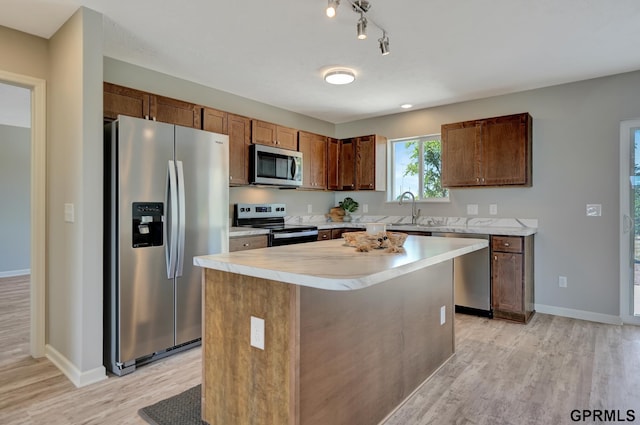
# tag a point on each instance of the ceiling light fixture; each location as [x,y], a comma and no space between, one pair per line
[362,28]
[340,76]
[362,7]
[332,8]
[406,106]
[384,44]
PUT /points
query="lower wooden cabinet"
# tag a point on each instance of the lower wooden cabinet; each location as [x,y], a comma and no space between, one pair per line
[512,277]
[324,235]
[244,243]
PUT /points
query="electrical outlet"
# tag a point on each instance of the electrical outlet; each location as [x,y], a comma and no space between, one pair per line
[472,209]
[443,314]
[309,208]
[562,281]
[493,209]
[365,208]
[257,332]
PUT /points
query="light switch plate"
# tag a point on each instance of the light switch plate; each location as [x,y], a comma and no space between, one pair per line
[472,209]
[309,208]
[69,213]
[493,209]
[594,210]
[365,208]
[443,315]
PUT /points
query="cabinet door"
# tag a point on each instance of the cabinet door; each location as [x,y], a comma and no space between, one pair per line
[263,133]
[286,138]
[239,140]
[333,164]
[460,154]
[314,155]
[506,150]
[118,100]
[176,112]
[365,163]
[348,164]
[507,282]
[214,120]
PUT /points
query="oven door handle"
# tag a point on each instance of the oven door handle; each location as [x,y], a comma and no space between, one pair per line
[290,235]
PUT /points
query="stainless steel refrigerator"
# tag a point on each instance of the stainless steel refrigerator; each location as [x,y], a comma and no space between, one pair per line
[166,201]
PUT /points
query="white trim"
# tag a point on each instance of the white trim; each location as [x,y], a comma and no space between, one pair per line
[79,379]
[626,295]
[38,204]
[13,273]
[579,314]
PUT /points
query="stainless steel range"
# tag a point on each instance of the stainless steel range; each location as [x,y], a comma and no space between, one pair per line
[271,216]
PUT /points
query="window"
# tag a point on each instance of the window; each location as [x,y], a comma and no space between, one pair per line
[416,167]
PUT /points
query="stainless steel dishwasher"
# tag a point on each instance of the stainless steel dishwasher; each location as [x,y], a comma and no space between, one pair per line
[471,278]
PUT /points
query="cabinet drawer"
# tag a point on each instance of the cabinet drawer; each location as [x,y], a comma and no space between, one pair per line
[248,242]
[324,235]
[506,243]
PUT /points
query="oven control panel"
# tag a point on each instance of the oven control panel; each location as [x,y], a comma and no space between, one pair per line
[260,210]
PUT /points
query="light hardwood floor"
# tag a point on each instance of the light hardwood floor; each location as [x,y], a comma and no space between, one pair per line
[503,373]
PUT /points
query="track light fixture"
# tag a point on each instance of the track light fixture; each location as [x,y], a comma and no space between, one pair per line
[384,44]
[362,28]
[332,8]
[361,7]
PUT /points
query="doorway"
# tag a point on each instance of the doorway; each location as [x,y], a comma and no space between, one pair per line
[630,221]
[37,218]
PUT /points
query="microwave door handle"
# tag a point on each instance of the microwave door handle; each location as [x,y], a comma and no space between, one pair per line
[293,168]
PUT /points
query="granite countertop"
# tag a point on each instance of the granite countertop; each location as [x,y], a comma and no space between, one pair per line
[238,232]
[331,265]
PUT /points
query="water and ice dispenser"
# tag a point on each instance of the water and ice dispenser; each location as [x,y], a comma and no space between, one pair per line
[148,222]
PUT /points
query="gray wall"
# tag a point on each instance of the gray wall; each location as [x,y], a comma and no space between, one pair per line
[575,162]
[15,191]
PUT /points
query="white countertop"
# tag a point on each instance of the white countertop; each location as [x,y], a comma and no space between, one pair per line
[237,232]
[333,266]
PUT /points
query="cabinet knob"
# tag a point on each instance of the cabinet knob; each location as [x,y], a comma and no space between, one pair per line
[506,244]
[245,244]
[495,257]
[478,179]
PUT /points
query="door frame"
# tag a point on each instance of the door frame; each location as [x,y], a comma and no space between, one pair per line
[625,220]
[38,206]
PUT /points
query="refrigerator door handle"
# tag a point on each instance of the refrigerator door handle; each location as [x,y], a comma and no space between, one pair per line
[181,218]
[171,201]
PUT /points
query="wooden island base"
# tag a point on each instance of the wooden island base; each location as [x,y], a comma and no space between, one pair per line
[330,357]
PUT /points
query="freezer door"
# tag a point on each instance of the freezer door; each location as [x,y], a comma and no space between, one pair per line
[202,160]
[145,315]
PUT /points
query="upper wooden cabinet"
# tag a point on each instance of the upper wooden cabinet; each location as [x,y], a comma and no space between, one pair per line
[214,120]
[266,133]
[333,164]
[118,100]
[362,163]
[239,141]
[488,152]
[314,157]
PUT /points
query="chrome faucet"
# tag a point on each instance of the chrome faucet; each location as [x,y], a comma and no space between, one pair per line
[414,213]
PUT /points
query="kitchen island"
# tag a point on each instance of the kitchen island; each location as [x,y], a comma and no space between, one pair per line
[348,336]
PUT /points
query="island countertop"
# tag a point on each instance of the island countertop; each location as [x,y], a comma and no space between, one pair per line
[330,265]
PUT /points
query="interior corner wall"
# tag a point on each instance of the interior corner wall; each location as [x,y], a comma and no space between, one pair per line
[74,164]
[15,191]
[24,54]
[575,162]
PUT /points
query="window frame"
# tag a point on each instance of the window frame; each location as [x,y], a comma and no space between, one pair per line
[392,168]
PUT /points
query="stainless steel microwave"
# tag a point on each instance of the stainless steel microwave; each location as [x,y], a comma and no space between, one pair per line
[275,166]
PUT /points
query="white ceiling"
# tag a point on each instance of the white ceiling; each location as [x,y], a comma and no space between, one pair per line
[442,51]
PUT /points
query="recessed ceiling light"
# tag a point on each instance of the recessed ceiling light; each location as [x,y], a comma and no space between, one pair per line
[406,106]
[340,76]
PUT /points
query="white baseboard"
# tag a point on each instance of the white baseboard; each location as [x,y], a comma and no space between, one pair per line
[79,379]
[579,314]
[13,273]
